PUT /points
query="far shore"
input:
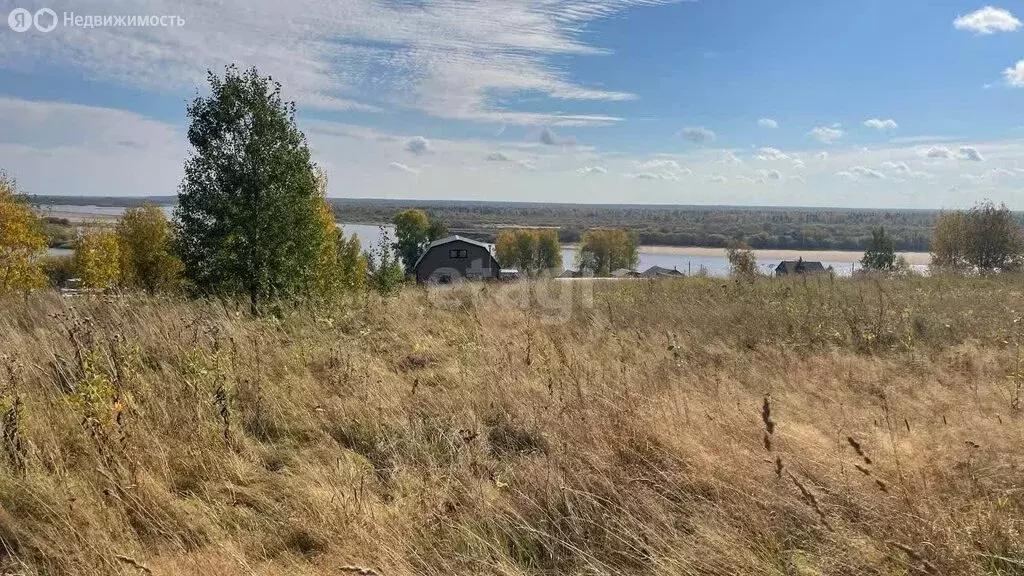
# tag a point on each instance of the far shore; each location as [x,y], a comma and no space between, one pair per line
[848,257]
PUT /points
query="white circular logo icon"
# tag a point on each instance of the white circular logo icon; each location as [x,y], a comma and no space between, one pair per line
[20,19]
[45,20]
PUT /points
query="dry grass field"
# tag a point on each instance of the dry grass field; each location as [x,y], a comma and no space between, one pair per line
[814,427]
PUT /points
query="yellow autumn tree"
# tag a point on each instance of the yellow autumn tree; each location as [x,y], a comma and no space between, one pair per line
[144,242]
[98,259]
[22,241]
[341,267]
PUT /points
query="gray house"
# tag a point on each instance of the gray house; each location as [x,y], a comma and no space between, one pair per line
[659,272]
[790,267]
[456,258]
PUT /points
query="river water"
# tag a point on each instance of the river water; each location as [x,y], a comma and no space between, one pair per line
[711,261]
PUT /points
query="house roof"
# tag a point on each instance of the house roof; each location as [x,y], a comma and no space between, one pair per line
[622,272]
[449,240]
[790,266]
[660,271]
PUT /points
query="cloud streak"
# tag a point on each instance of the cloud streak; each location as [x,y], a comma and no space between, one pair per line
[455,60]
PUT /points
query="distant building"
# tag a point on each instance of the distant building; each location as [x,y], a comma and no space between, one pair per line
[454,259]
[508,274]
[624,273]
[792,267]
[659,272]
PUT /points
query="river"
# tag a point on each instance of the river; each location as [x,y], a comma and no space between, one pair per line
[711,261]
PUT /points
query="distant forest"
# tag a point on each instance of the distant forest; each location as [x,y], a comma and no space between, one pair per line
[665,225]
[704,226]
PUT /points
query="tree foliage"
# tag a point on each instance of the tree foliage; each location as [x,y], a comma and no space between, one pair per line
[414,229]
[994,242]
[353,265]
[742,261]
[529,251]
[603,251]
[249,214]
[98,259]
[386,275]
[881,252]
[22,241]
[986,239]
[341,266]
[144,239]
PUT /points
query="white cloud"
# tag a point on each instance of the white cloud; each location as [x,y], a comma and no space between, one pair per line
[698,134]
[593,170]
[988,20]
[879,124]
[904,170]
[771,174]
[825,134]
[1014,75]
[660,169]
[730,158]
[971,153]
[770,154]
[498,157]
[403,168]
[716,179]
[1001,173]
[821,155]
[902,167]
[767,123]
[548,137]
[658,164]
[859,172]
[417,145]
[938,152]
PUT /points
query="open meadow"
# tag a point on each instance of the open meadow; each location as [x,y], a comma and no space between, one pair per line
[804,427]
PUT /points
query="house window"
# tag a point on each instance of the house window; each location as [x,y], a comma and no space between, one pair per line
[458,253]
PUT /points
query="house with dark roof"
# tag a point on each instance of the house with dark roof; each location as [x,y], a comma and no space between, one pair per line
[659,272]
[454,259]
[624,273]
[793,267]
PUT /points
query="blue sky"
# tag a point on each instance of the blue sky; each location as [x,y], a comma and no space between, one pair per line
[913,103]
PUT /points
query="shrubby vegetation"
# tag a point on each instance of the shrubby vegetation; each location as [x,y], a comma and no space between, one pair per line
[97,259]
[742,261]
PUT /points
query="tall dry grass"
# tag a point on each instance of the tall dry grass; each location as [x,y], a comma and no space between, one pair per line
[663,428]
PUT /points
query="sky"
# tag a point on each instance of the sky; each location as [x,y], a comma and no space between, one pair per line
[872,103]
